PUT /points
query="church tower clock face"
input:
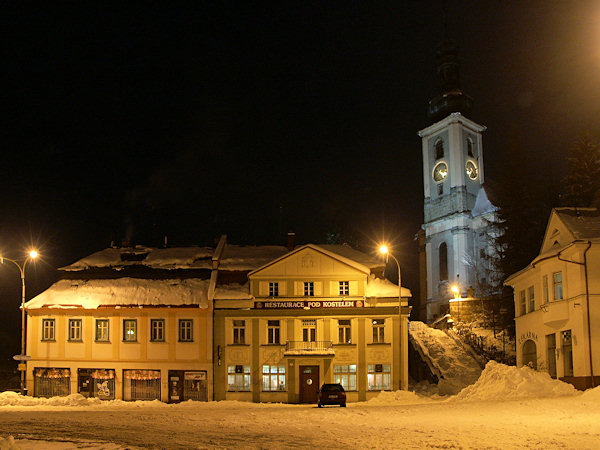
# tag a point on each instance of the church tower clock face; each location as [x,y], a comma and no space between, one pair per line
[440,172]
[471,170]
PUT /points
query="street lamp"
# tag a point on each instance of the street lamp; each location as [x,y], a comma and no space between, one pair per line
[33,254]
[385,251]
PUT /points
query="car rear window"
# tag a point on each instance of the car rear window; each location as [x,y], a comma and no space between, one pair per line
[332,387]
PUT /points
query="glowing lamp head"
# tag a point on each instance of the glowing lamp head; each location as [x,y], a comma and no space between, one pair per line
[455,291]
[384,250]
[33,254]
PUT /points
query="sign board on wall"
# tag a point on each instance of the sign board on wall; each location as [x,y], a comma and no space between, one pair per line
[308,304]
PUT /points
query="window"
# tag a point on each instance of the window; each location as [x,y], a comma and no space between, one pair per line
[557,284]
[239,331]
[273,289]
[379,377]
[344,288]
[345,331]
[345,375]
[130,330]
[531,298]
[530,354]
[309,288]
[439,149]
[378,330]
[545,285]
[157,330]
[440,189]
[273,332]
[470,151]
[47,329]
[273,378]
[309,330]
[186,330]
[567,350]
[443,261]
[74,329]
[102,330]
[522,303]
[238,378]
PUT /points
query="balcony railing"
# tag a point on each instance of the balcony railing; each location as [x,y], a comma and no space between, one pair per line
[309,348]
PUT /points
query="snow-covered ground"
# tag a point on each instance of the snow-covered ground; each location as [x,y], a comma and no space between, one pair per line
[506,408]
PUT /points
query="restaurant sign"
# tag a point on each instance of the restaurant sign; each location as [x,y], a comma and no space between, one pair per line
[304,304]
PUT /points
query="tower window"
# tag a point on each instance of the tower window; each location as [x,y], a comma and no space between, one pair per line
[470,149]
[443,261]
[439,149]
[440,189]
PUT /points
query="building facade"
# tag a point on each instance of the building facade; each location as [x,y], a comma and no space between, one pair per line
[557,300]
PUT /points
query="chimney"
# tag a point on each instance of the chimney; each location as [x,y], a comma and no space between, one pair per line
[291,238]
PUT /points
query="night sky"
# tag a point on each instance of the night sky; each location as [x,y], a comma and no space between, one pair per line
[191,120]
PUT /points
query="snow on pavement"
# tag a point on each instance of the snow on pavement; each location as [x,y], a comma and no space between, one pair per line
[506,408]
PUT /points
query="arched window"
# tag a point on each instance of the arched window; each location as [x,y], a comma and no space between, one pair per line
[470,149]
[443,261]
[529,354]
[439,149]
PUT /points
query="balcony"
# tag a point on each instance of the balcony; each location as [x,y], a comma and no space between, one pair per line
[315,348]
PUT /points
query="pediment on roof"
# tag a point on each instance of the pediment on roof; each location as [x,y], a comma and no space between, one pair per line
[557,234]
[310,261]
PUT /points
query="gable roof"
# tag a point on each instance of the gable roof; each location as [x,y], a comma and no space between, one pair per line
[569,224]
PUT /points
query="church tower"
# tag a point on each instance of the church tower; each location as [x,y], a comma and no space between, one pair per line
[454,199]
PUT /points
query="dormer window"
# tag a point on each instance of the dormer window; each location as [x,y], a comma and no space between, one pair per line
[439,149]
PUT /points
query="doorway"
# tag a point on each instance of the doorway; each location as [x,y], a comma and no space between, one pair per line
[309,384]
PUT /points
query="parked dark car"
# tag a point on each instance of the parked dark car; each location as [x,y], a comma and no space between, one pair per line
[332,394]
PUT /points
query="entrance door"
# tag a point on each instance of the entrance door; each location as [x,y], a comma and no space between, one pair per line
[309,384]
[551,350]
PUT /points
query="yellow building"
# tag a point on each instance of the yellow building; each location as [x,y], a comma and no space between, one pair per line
[318,314]
[126,323]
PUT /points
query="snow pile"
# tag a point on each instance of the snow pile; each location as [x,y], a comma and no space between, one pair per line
[501,382]
[398,398]
[592,395]
[90,294]
[377,287]
[13,399]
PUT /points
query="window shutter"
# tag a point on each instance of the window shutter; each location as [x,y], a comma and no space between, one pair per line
[298,288]
[263,288]
[334,288]
[282,288]
[354,287]
[318,288]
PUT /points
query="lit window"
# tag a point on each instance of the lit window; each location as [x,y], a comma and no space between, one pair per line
[186,330]
[345,331]
[102,330]
[238,378]
[379,377]
[273,332]
[239,331]
[558,287]
[157,330]
[273,289]
[344,288]
[531,298]
[47,329]
[74,329]
[309,289]
[130,330]
[273,378]
[345,375]
[378,331]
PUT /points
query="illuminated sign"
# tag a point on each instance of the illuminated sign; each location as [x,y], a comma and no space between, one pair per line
[308,304]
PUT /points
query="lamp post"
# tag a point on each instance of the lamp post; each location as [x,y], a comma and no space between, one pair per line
[403,314]
[31,256]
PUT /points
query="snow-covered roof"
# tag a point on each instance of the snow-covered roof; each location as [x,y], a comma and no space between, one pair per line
[482,204]
[378,287]
[91,294]
[348,252]
[249,257]
[234,291]
[584,223]
[155,258]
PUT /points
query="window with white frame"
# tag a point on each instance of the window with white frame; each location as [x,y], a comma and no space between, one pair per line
[48,329]
[344,331]
[273,289]
[273,332]
[186,330]
[309,330]
[239,331]
[531,298]
[557,285]
[157,330]
[273,378]
[238,378]
[344,288]
[378,331]
[345,374]
[522,302]
[379,377]
[102,330]
[309,288]
[74,329]
[130,330]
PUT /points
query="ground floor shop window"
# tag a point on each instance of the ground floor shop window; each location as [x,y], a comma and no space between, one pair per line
[141,385]
[51,382]
[238,378]
[273,378]
[188,386]
[379,377]
[345,375]
[98,383]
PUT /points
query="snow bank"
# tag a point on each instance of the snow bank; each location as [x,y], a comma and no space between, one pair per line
[592,395]
[13,399]
[395,398]
[8,443]
[501,382]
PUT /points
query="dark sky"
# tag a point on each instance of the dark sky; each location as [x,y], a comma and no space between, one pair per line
[191,120]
